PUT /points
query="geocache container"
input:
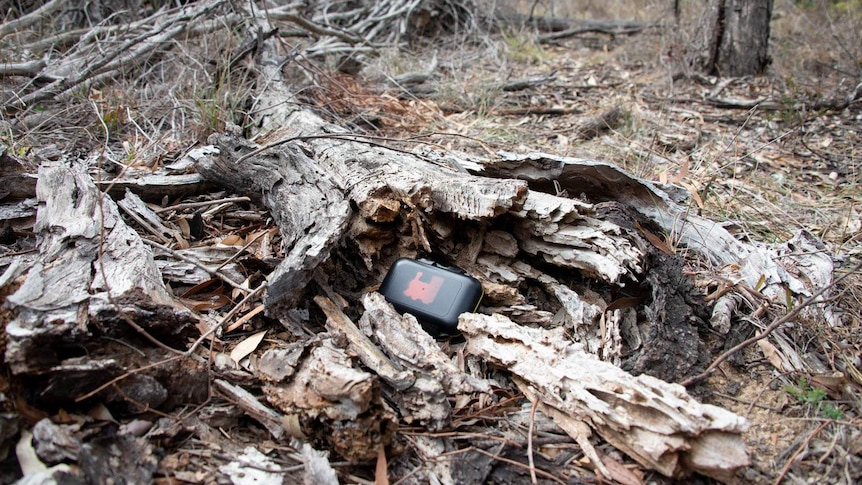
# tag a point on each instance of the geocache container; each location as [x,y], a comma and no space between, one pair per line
[436,295]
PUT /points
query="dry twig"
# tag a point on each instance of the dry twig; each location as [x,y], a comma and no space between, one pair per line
[811,300]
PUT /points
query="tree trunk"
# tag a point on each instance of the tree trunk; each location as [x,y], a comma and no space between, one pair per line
[732,38]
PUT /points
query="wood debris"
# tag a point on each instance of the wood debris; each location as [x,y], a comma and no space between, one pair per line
[588,319]
[654,422]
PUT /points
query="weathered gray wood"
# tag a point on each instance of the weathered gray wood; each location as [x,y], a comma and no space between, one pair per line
[91,267]
[435,378]
[273,421]
[601,181]
[156,186]
[308,199]
[333,400]
[656,423]
[310,209]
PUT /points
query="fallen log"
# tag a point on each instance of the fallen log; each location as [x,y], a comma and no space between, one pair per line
[349,204]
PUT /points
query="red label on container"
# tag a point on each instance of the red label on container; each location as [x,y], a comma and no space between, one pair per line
[423,291]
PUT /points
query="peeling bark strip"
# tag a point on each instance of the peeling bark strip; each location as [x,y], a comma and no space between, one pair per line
[656,423]
[89,260]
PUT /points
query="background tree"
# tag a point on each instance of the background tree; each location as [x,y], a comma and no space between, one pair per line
[732,38]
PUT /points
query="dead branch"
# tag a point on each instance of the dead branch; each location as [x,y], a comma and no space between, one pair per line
[814,299]
[620,27]
[31,18]
[521,84]
[126,53]
[29,69]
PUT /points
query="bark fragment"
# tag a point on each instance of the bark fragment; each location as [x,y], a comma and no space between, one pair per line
[656,423]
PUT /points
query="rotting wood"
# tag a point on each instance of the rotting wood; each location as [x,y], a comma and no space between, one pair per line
[436,378]
[92,270]
[420,378]
[370,355]
[557,228]
[656,423]
[274,422]
[334,401]
[601,181]
[302,197]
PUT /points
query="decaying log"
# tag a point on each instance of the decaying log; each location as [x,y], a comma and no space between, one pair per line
[93,273]
[310,200]
[654,422]
[602,181]
[435,378]
[304,200]
[334,401]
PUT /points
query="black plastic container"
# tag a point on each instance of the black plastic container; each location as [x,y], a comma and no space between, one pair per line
[432,293]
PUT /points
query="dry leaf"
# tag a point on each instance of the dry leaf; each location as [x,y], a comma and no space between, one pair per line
[683,172]
[204,285]
[381,476]
[245,318]
[184,227]
[694,194]
[233,240]
[662,245]
[771,352]
[213,303]
[247,346]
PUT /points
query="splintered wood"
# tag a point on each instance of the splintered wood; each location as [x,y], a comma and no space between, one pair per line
[92,269]
[654,422]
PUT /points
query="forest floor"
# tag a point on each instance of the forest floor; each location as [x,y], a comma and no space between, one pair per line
[766,156]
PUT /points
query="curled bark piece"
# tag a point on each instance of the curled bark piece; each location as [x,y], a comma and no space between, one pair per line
[562,231]
[656,423]
[338,323]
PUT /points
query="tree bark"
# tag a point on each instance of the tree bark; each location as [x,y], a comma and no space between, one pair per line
[732,38]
